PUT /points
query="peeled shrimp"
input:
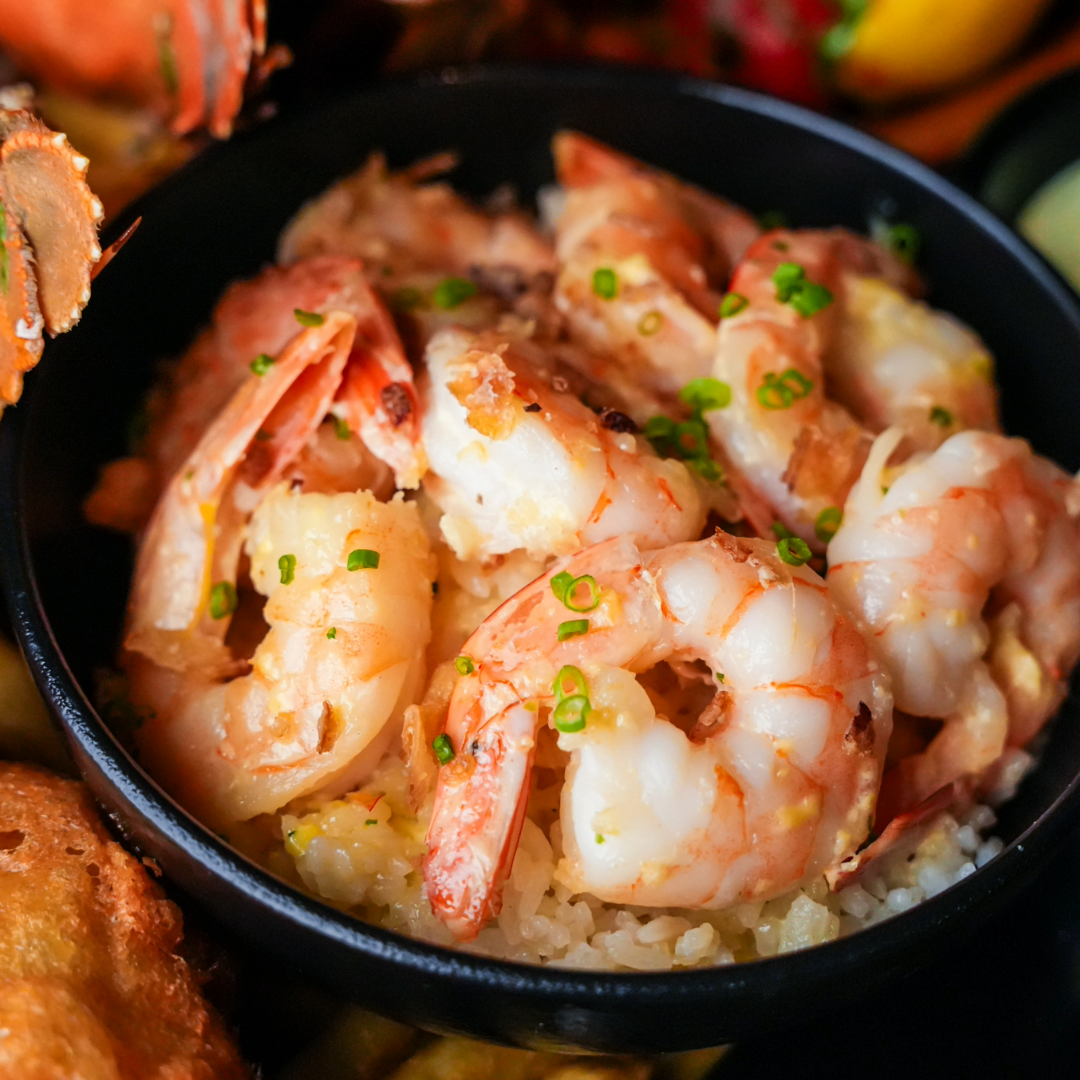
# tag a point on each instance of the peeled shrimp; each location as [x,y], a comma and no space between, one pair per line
[233,738]
[642,258]
[963,570]
[772,783]
[519,462]
[898,362]
[799,451]
[400,225]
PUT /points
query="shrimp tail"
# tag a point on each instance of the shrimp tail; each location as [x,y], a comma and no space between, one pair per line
[480,810]
[200,518]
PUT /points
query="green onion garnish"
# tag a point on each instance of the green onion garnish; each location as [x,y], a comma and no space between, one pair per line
[706,468]
[904,241]
[650,323]
[793,551]
[332,633]
[660,431]
[692,439]
[569,683]
[781,392]
[780,531]
[828,521]
[793,288]
[464,665]
[444,750]
[573,628]
[560,583]
[223,600]
[599,838]
[571,713]
[719,676]
[372,821]
[941,417]
[705,394]
[732,304]
[287,566]
[308,318]
[588,602]
[406,299]
[362,559]
[452,291]
[262,364]
[341,427]
[604,283]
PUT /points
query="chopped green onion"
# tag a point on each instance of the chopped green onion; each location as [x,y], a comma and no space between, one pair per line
[464,665]
[811,299]
[571,713]
[780,531]
[262,364]
[287,566]
[406,299]
[591,599]
[792,287]
[703,395]
[363,559]
[788,278]
[650,323]
[828,521]
[332,633]
[793,551]
[719,676]
[568,674]
[452,291]
[308,318]
[781,392]
[706,468]
[941,417]
[444,749]
[372,821]
[604,283]
[660,431]
[341,427]
[223,600]
[599,838]
[560,583]
[572,628]
[692,439]
[732,304]
[904,241]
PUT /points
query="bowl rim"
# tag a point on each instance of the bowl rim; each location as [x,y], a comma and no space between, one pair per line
[99,751]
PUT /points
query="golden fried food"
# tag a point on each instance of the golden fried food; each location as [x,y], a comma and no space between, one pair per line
[91,986]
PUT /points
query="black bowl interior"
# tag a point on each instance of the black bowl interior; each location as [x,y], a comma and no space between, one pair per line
[217,220]
[1026,146]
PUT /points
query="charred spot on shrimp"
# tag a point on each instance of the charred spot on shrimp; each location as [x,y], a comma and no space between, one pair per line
[396,402]
[616,421]
[860,734]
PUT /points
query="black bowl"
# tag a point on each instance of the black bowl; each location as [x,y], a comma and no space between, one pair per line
[1028,144]
[217,220]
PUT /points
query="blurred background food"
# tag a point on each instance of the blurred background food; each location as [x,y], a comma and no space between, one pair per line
[141,85]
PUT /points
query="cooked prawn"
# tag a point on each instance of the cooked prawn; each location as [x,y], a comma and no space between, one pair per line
[518,462]
[773,783]
[642,260]
[964,575]
[344,653]
[257,318]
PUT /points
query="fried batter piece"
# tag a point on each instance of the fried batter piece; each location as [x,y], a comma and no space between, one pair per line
[91,986]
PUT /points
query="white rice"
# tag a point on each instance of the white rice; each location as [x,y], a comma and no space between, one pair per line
[363,853]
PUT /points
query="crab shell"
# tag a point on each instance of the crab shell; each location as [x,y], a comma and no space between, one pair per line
[49,242]
[184,59]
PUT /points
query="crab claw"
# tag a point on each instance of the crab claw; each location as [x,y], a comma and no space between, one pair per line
[49,236]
